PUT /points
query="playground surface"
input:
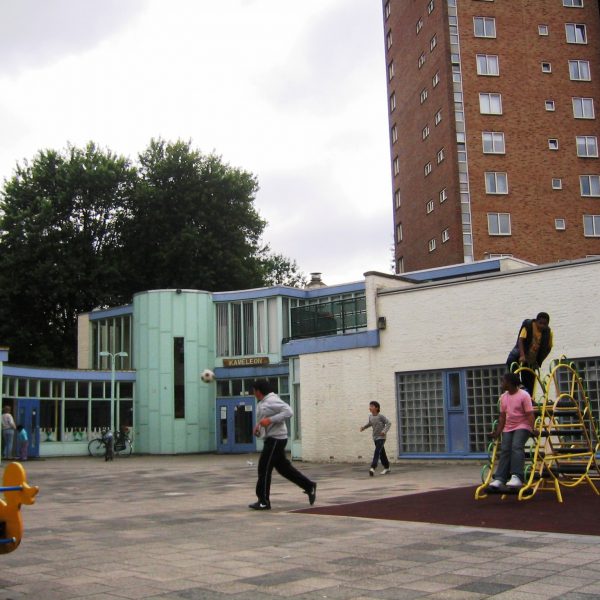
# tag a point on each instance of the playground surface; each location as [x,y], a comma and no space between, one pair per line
[178,527]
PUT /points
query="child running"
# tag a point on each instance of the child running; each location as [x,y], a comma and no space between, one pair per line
[515,425]
[381,425]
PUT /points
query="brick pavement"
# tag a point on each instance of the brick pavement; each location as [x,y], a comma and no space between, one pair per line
[175,528]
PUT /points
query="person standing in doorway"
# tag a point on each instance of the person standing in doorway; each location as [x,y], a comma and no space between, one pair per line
[380,425]
[22,443]
[8,432]
[271,413]
[534,343]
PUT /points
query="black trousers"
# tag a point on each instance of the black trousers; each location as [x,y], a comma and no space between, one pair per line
[273,457]
[380,454]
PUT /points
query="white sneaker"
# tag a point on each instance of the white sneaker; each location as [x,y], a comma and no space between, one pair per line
[496,483]
[514,481]
[385,471]
[371,472]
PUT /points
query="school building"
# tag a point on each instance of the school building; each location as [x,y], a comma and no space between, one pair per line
[429,345]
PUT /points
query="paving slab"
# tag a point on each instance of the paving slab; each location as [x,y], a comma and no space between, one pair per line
[178,527]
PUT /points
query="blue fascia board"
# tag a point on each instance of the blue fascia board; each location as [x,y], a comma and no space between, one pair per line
[331,343]
[443,456]
[254,372]
[461,270]
[107,313]
[3,354]
[67,374]
[289,292]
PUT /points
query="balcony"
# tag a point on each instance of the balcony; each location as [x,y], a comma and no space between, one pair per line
[329,318]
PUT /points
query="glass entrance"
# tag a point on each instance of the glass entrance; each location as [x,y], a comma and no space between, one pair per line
[235,421]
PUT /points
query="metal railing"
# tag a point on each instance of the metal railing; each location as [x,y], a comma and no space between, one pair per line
[328,318]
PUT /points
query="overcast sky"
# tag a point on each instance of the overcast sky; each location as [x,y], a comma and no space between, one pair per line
[292,91]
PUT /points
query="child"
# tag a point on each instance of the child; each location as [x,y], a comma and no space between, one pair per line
[22,442]
[381,425]
[515,425]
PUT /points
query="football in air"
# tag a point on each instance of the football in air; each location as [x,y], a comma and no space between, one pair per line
[207,376]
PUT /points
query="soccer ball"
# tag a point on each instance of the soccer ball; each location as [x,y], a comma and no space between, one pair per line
[207,376]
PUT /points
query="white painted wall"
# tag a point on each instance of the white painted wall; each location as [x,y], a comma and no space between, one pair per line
[451,325]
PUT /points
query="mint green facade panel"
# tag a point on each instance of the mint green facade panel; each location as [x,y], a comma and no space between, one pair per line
[160,317]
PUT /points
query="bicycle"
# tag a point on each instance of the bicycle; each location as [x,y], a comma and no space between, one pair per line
[111,444]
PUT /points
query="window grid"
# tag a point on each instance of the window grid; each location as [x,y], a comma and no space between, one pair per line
[420,398]
[483,392]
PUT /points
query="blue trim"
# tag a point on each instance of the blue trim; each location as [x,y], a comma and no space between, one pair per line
[289,292]
[117,311]
[254,372]
[485,266]
[67,374]
[331,343]
[444,456]
[3,354]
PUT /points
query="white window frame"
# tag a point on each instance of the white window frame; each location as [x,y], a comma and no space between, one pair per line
[438,117]
[396,166]
[486,101]
[388,39]
[495,181]
[486,25]
[441,154]
[430,7]
[556,183]
[573,3]
[552,144]
[435,79]
[445,235]
[391,71]
[387,10]
[575,70]
[543,30]
[393,102]
[550,105]
[397,199]
[589,143]
[576,33]
[429,207]
[494,141]
[502,224]
[394,133]
[593,185]
[583,108]
[427,169]
[433,43]
[591,223]
[425,132]
[399,233]
[443,195]
[546,66]
[488,65]
[560,224]
[423,95]
[419,25]
[432,244]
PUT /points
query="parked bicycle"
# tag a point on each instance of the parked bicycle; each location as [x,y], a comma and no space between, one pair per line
[111,444]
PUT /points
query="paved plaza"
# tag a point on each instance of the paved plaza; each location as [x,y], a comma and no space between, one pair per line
[175,528]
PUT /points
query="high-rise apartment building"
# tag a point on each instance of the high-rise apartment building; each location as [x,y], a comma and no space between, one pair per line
[493,129]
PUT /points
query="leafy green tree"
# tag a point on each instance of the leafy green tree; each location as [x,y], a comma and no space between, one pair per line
[59,224]
[193,223]
[280,270]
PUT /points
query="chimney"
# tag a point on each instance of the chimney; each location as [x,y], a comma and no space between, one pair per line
[315,281]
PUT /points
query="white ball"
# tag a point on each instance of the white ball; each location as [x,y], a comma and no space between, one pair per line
[207,376]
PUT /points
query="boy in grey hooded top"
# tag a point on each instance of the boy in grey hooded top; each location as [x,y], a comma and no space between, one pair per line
[380,425]
[271,413]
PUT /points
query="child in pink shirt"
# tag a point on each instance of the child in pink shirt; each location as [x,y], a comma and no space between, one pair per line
[515,425]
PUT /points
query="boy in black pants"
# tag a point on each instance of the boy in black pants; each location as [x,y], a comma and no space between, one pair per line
[381,425]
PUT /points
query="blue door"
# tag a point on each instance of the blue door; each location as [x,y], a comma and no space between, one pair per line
[455,393]
[28,415]
[235,422]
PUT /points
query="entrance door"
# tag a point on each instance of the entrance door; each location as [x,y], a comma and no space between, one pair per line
[28,415]
[455,411]
[235,421]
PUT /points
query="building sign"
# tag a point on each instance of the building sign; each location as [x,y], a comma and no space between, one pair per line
[246,362]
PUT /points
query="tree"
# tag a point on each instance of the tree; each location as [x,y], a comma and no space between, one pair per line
[193,223]
[59,227]
[280,270]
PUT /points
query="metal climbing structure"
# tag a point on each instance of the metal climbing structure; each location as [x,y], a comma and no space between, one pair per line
[566,439]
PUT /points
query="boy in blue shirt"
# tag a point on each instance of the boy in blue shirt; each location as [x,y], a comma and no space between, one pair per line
[22,442]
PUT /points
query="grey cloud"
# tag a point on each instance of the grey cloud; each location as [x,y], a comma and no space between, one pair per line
[337,48]
[38,32]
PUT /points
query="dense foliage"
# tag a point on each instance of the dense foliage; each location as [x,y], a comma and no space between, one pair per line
[85,228]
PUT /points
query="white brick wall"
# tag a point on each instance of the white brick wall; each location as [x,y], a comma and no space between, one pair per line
[451,325]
